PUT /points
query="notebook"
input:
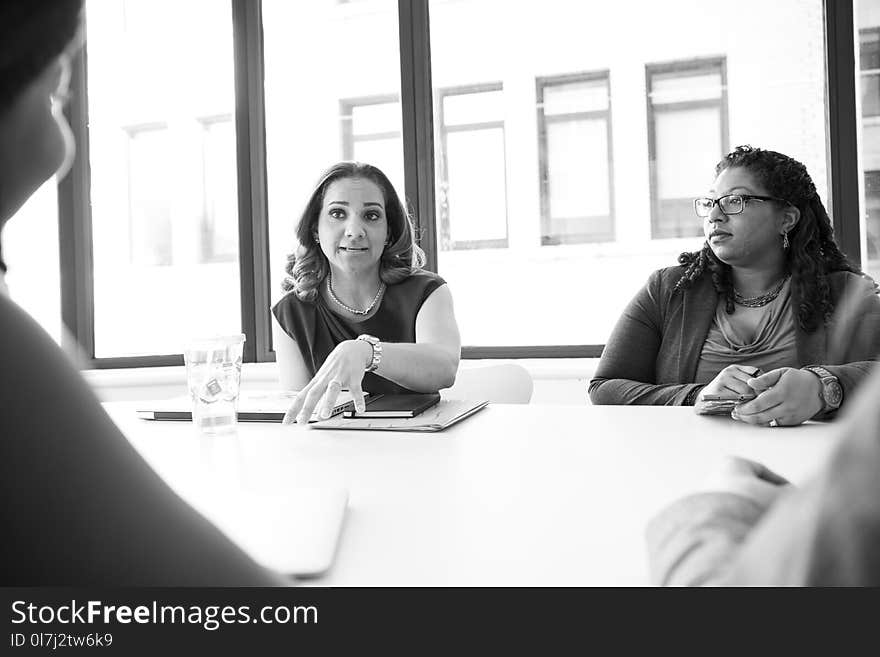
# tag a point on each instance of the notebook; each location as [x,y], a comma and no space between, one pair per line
[254,406]
[437,418]
[393,406]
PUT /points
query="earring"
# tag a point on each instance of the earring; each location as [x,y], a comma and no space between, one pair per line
[317,241]
[785,242]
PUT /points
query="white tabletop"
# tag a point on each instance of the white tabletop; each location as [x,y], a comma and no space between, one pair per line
[523,495]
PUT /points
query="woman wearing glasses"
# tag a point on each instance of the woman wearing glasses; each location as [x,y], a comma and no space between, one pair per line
[769,312]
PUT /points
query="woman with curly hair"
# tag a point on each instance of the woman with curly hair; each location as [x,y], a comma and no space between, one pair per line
[360,312]
[769,311]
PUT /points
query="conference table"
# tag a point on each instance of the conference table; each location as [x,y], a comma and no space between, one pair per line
[516,495]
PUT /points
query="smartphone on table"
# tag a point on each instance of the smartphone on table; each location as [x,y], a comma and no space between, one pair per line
[721,404]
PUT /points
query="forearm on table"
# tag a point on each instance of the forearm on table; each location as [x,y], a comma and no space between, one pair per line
[422,367]
[696,540]
[613,391]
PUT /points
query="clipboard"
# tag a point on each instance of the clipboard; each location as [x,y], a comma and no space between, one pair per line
[437,418]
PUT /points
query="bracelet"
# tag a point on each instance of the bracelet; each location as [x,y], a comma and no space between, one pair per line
[376,346]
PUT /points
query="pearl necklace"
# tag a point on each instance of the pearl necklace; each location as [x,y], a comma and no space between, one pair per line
[760,300]
[354,311]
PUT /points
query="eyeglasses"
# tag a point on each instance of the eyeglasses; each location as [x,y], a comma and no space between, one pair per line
[730,204]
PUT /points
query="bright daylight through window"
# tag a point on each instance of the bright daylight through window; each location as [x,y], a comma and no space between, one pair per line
[568,147]
[163,173]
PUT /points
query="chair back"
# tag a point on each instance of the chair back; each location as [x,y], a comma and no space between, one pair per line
[500,383]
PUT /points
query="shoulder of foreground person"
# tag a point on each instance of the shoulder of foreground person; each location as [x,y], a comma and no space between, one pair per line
[82,507]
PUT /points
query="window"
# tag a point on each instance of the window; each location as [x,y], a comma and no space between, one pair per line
[526,227]
[371,133]
[156,159]
[472,189]
[574,129]
[687,133]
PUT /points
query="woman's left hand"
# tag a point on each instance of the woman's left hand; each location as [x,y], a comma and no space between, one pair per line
[343,368]
[786,396]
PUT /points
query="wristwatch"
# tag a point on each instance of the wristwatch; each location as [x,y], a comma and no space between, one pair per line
[377,351]
[831,392]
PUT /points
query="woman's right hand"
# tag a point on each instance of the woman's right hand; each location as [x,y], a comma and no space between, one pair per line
[343,369]
[730,382]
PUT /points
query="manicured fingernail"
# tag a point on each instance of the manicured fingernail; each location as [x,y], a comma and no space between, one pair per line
[325,413]
[300,419]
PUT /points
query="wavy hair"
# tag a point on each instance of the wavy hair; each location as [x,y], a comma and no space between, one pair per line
[32,34]
[307,266]
[813,253]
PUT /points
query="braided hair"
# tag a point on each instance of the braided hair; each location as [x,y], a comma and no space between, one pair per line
[813,253]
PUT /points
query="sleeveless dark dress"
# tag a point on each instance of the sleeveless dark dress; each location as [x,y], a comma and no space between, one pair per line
[317,330]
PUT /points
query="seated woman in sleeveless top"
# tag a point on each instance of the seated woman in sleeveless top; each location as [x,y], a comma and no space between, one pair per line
[769,309]
[360,312]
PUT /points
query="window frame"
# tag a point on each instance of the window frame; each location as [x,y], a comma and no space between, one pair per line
[75,226]
[541,83]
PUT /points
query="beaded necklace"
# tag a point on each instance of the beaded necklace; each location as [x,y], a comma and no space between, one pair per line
[761,299]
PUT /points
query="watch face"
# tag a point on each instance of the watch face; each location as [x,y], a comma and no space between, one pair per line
[833,394]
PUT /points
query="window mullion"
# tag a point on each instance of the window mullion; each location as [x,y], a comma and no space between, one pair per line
[842,126]
[252,189]
[417,125]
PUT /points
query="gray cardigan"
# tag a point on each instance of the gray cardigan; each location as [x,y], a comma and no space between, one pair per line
[653,352]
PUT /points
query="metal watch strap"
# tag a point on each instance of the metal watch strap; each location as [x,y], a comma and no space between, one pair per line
[825,378]
[376,346]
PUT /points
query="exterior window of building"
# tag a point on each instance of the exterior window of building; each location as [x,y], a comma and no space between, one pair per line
[472,186]
[149,196]
[574,132]
[219,198]
[869,65]
[687,133]
[371,134]
[868,19]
